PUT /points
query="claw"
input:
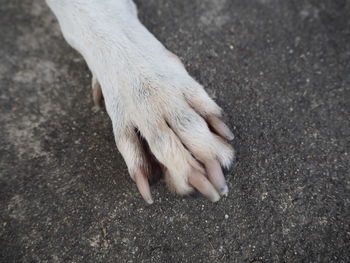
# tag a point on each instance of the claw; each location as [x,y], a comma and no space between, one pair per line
[220,127]
[143,186]
[96,93]
[201,183]
[216,176]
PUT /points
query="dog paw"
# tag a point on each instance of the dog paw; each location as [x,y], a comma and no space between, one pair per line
[165,122]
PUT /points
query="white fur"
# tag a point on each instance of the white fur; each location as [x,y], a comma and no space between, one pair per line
[144,86]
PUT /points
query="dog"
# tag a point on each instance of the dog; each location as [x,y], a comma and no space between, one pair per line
[162,119]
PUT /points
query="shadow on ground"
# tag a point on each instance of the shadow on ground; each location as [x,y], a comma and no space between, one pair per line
[280,69]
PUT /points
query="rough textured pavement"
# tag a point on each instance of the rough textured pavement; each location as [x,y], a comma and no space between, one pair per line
[281,71]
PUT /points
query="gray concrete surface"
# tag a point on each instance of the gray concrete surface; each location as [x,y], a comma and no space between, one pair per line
[280,69]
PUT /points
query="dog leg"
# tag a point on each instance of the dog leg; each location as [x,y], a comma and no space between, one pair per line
[161,116]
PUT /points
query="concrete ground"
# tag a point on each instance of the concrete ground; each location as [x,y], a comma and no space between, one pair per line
[281,71]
